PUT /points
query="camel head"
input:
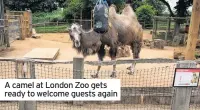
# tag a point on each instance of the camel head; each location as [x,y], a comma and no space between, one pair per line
[75,32]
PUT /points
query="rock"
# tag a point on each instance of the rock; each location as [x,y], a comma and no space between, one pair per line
[157,43]
[34,34]
[146,42]
[176,40]
[168,43]
[179,39]
[179,54]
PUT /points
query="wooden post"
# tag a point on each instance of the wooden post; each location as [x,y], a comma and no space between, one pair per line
[182,96]
[193,31]
[78,65]
[57,25]
[156,28]
[44,27]
[22,26]
[29,105]
[2,36]
[168,28]
[27,19]
[153,33]
[6,31]
[92,19]
[29,23]
[81,17]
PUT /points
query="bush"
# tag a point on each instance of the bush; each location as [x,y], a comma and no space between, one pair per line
[146,13]
[41,17]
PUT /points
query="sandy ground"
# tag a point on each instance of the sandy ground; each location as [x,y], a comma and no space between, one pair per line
[154,76]
[61,40]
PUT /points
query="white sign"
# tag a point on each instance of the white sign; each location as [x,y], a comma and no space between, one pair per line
[60,90]
[186,77]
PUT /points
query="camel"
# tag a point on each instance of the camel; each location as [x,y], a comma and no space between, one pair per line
[91,42]
[129,30]
[123,30]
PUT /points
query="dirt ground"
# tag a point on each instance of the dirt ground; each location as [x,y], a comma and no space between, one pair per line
[61,40]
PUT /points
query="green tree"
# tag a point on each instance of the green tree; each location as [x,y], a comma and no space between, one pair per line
[158,6]
[74,7]
[181,11]
[33,5]
[146,13]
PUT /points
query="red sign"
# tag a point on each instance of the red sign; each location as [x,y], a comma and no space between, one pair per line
[188,70]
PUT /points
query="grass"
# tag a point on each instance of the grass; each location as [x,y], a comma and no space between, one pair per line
[52,29]
[41,17]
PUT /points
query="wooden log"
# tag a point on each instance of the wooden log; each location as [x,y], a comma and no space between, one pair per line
[193,31]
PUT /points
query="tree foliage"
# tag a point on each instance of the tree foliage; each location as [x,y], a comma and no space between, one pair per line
[33,5]
[74,7]
[158,6]
[181,7]
[146,12]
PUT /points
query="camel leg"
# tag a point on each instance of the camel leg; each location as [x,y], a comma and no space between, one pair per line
[136,48]
[101,55]
[113,54]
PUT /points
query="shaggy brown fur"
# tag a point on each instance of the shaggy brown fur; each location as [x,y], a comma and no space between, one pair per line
[129,31]
[128,11]
[92,43]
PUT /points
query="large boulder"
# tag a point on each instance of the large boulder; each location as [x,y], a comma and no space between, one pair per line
[178,54]
[179,39]
[157,43]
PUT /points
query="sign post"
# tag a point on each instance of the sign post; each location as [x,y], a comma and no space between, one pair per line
[184,80]
[186,77]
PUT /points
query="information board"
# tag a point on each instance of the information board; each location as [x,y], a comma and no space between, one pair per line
[186,77]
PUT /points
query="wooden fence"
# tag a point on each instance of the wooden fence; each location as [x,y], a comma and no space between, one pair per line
[2,36]
[156,97]
[22,20]
[166,24]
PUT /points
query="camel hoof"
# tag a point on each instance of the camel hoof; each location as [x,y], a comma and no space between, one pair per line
[94,76]
[129,68]
[131,72]
[113,75]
